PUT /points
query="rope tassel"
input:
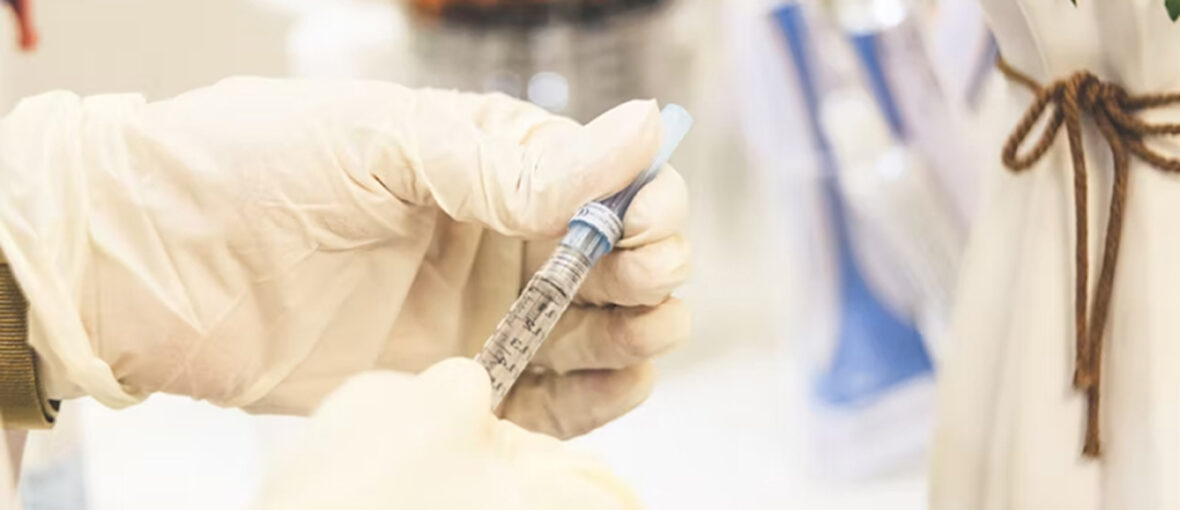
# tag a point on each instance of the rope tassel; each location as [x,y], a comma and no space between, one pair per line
[1113,111]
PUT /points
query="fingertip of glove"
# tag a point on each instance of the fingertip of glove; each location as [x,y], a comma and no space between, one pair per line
[626,138]
[465,369]
[644,381]
[637,124]
[643,113]
[659,210]
[609,394]
[463,374]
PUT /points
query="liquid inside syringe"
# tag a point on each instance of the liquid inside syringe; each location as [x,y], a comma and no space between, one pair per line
[530,319]
[593,232]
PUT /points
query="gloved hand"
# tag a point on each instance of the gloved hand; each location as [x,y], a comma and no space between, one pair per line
[255,242]
[388,440]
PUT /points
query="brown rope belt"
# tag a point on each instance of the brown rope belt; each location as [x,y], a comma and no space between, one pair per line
[1112,110]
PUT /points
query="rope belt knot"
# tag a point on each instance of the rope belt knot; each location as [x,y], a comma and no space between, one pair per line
[1113,110]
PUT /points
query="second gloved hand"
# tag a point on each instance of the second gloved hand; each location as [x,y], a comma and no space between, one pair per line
[389,440]
[255,242]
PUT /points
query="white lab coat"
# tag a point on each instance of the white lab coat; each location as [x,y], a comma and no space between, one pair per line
[1011,426]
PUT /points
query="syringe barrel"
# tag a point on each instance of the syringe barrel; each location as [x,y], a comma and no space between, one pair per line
[531,317]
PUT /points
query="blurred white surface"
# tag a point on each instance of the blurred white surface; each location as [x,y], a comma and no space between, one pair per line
[728,433]
[168,453]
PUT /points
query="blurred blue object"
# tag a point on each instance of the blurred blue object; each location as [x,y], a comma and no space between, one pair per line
[866,48]
[875,349]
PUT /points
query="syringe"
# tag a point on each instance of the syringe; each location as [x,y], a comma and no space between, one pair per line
[593,231]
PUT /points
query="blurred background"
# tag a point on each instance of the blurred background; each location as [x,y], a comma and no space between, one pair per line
[832,187]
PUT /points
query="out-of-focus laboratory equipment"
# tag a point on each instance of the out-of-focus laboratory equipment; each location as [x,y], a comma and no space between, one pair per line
[961,50]
[911,209]
[574,57]
[893,56]
[897,194]
[593,232]
[862,423]
[903,233]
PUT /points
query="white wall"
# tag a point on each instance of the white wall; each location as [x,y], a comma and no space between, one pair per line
[159,47]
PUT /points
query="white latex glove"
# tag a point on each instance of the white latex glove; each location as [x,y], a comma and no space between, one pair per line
[255,242]
[389,440]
